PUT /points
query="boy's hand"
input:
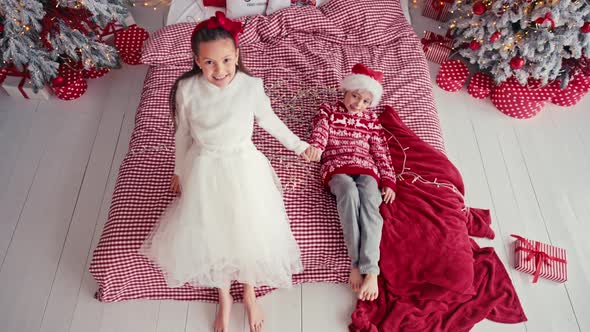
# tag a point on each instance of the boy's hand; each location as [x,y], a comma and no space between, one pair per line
[312,154]
[388,195]
[175,184]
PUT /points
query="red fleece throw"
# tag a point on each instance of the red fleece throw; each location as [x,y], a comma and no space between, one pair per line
[433,276]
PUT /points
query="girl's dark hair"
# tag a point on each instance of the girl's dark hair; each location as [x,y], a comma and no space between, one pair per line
[202,35]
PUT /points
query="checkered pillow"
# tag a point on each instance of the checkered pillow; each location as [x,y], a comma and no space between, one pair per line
[169,46]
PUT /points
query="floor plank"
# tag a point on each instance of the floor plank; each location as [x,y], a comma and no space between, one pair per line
[326,307]
[172,316]
[88,312]
[46,215]
[200,317]
[68,279]
[283,310]
[21,151]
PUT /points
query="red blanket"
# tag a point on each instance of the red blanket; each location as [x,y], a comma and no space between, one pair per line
[434,277]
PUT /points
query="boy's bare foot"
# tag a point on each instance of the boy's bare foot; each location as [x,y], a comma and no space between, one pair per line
[222,317]
[253,310]
[369,289]
[355,280]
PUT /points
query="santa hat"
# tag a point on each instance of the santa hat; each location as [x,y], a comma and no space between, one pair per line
[364,78]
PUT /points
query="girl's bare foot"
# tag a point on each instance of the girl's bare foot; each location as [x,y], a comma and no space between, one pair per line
[222,318]
[369,289]
[253,310]
[355,280]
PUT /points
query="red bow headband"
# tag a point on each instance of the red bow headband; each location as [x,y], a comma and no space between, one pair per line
[221,21]
[364,70]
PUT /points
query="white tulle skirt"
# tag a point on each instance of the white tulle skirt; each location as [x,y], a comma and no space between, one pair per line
[228,224]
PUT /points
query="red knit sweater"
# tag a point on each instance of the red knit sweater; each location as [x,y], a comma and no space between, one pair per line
[352,144]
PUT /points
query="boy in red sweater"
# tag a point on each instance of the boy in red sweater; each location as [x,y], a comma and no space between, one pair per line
[356,166]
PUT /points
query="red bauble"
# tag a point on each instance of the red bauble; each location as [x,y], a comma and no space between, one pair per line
[495,36]
[474,45]
[479,8]
[516,63]
[58,81]
[586,27]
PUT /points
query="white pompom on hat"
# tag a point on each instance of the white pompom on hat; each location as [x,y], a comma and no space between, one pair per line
[364,78]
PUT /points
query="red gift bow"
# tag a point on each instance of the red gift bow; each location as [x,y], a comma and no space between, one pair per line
[111,28]
[12,71]
[76,19]
[364,70]
[536,253]
[221,21]
[434,38]
[439,5]
[547,17]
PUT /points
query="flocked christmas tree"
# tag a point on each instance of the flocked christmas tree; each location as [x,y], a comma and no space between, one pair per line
[36,36]
[545,40]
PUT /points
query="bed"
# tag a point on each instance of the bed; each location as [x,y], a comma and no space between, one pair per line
[302,54]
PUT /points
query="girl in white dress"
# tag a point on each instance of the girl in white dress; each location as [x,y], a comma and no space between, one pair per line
[229,222]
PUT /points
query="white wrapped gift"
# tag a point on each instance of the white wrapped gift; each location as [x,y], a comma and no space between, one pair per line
[23,88]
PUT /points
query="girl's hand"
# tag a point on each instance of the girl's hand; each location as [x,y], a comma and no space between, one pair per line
[388,195]
[312,154]
[175,184]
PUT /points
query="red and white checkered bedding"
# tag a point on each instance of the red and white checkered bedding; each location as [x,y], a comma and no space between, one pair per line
[302,54]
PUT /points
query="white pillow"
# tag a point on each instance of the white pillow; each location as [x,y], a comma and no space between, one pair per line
[239,8]
[274,5]
[189,11]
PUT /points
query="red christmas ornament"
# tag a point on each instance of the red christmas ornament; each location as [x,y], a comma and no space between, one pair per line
[586,27]
[495,36]
[1,28]
[516,63]
[479,8]
[58,81]
[474,45]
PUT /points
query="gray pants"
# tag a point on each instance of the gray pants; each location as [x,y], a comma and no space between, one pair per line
[358,198]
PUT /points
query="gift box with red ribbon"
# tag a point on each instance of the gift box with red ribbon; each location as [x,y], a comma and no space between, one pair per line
[18,84]
[436,47]
[452,75]
[439,10]
[540,259]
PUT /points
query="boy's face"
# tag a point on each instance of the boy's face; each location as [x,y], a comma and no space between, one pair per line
[218,60]
[357,101]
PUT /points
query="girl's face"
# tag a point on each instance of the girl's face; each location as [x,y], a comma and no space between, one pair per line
[357,101]
[218,59]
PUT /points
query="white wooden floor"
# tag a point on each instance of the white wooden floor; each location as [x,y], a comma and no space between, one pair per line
[59,162]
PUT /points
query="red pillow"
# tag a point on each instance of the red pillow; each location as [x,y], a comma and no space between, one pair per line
[214,3]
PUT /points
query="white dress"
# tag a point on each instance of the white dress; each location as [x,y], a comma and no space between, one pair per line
[229,223]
